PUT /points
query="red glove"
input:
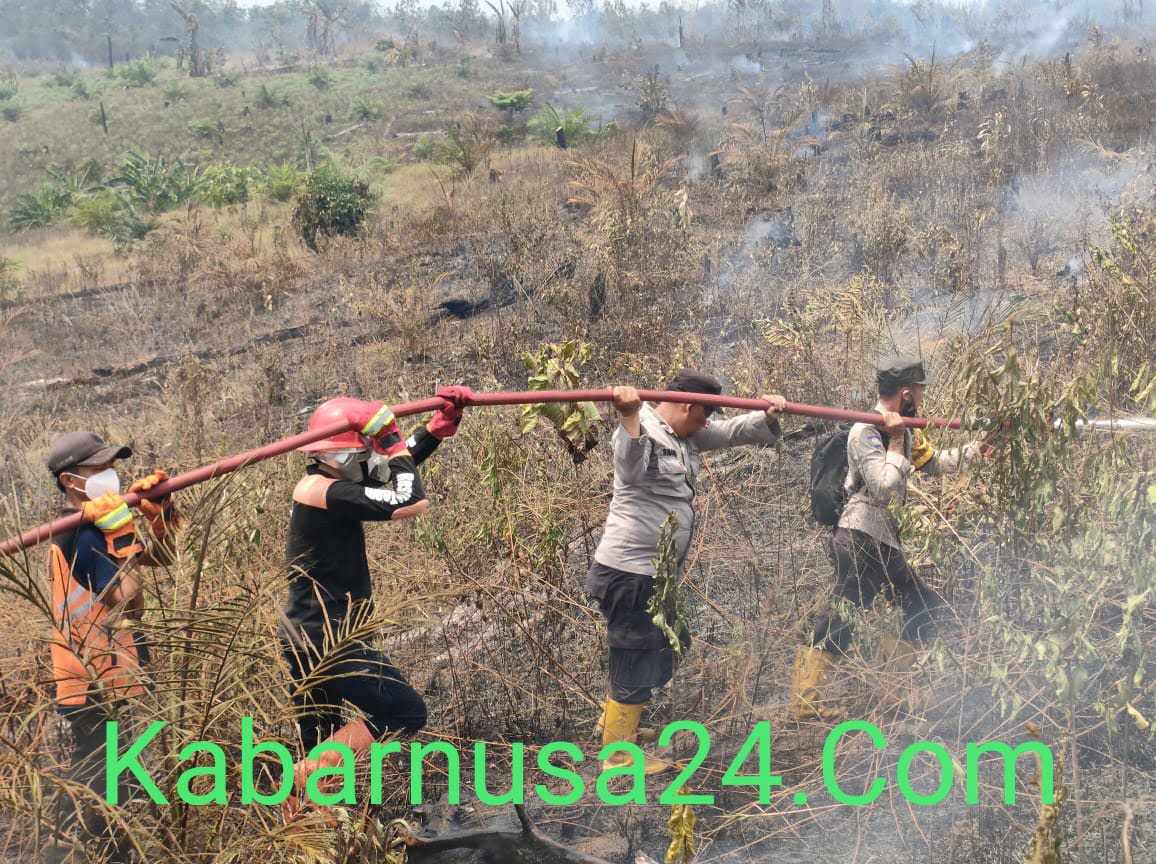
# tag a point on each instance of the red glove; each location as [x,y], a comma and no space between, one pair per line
[371,419]
[160,512]
[444,423]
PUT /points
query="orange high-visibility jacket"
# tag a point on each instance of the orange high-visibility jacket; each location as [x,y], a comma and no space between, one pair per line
[89,653]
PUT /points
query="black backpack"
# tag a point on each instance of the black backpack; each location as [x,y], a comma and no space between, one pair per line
[828,474]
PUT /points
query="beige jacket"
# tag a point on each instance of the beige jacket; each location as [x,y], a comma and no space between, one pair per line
[876,477]
[654,475]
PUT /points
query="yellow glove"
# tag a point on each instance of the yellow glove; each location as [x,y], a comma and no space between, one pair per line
[160,512]
[921,449]
[110,514]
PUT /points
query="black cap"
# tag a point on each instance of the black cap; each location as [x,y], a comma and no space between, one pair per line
[895,372]
[689,381]
[74,449]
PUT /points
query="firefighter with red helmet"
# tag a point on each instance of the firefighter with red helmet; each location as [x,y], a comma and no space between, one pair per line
[368,473]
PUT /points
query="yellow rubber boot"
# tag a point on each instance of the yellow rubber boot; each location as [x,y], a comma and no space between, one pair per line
[621,724]
[895,663]
[896,656]
[355,735]
[808,678]
[646,735]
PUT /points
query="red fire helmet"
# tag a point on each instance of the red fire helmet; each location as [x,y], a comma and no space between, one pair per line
[329,413]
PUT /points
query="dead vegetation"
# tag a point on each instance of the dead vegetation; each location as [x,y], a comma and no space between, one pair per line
[786,244]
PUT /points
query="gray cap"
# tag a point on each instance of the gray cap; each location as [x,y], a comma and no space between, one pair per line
[74,449]
[901,372]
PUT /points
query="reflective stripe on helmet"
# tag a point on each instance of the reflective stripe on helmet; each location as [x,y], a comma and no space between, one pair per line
[379,421]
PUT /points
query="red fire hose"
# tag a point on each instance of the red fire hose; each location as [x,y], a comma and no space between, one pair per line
[225,466]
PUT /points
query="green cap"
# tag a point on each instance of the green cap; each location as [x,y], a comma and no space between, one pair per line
[901,372]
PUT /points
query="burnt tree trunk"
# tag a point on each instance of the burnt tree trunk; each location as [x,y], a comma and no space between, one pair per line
[196,62]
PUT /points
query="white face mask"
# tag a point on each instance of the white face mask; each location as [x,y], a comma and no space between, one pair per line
[102,482]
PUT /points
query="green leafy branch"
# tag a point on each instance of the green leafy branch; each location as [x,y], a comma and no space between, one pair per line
[666,608]
[557,366]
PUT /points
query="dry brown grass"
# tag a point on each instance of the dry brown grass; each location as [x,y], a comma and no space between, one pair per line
[484,593]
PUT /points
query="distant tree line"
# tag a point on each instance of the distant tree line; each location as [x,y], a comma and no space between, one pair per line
[79,31]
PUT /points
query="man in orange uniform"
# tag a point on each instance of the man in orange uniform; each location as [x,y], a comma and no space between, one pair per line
[96,597]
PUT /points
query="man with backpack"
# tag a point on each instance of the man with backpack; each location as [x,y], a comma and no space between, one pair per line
[865,543]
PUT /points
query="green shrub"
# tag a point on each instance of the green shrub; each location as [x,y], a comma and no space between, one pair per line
[421,89]
[226,185]
[575,125]
[38,209]
[64,78]
[205,128]
[174,93]
[155,185]
[382,164]
[12,112]
[423,147]
[224,79]
[364,110]
[282,182]
[518,100]
[90,171]
[43,207]
[9,284]
[466,145]
[96,211]
[138,74]
[653,98]
[320,78]
[464,67]
[384,45]
[266,98]
[333,203]
[80,90]
[108,213]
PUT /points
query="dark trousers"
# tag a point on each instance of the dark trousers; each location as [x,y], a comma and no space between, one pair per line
[361,676]
[88,763]
[635,673]
[864,568]
[641,656]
